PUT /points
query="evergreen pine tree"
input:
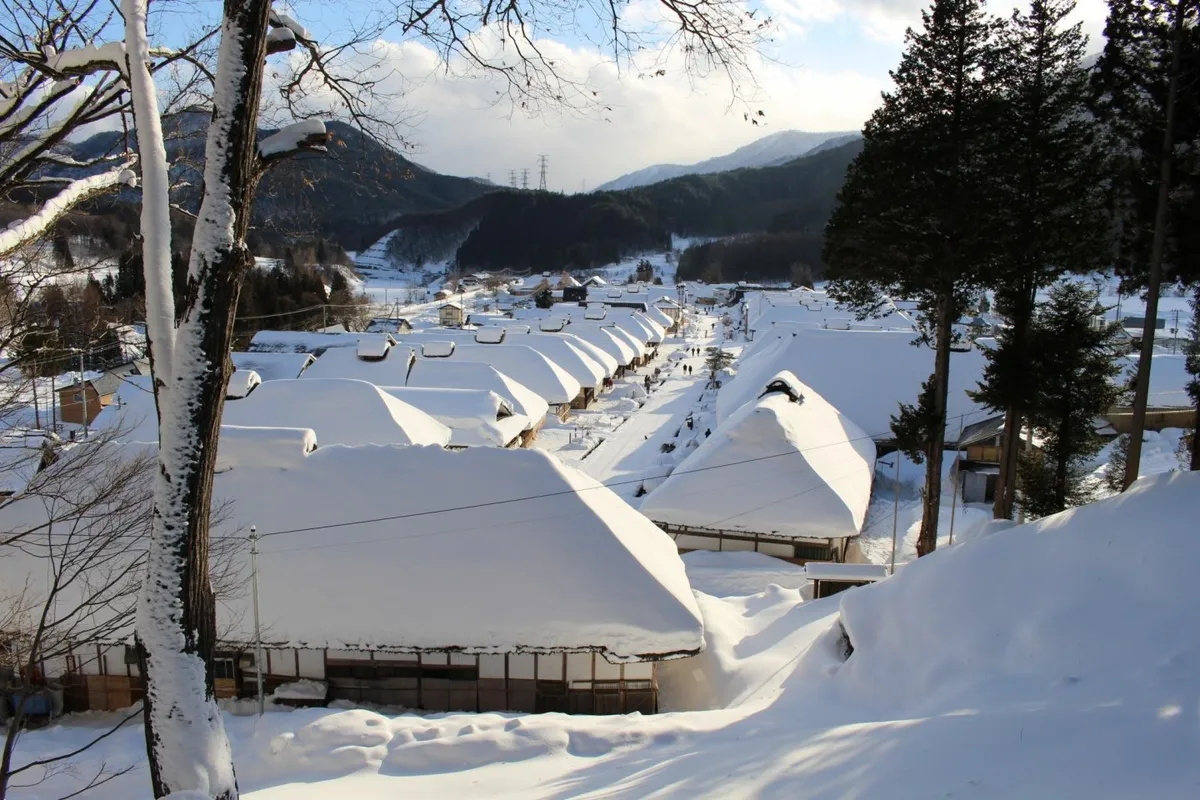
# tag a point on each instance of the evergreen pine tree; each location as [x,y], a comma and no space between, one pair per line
[1046,164]
[916,202]
[1146,94]
[1073,371]
[715,360]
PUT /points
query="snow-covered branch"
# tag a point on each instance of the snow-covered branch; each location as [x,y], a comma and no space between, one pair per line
[88,60]
[307,134]
[31,228]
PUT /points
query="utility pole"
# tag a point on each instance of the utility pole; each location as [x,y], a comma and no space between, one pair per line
[512,178]
[37,416]
[83,394]
[525,177]
[53,405]
[258,650]
[954,482]
[543,162]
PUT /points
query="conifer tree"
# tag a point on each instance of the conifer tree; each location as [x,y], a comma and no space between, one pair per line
[1046,164]
[1147,96]
[916,201]
[1074,374]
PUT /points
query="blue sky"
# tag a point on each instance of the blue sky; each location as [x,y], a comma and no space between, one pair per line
[828,65]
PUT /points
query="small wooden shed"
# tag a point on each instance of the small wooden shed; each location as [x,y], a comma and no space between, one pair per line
[828,578]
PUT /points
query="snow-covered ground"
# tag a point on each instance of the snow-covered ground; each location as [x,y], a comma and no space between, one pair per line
[1057,659]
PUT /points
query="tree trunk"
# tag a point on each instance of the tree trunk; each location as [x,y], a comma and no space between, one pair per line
[1141,393]
[185,736]
[1006,481]
[927,541]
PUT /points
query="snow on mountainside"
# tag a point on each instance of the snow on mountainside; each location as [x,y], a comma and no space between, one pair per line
[777,148]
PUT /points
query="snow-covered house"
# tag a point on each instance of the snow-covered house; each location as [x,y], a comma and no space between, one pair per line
[341,411]
[543,591]
[525,364]
[386,367]
[241,383]
[311,342]
[864,374]
[80,403]
[273,366]
[568,356]
[786,475]
[437,373]
[450,314]
[475,417]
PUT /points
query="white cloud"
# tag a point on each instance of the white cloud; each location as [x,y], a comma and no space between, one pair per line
[673,118]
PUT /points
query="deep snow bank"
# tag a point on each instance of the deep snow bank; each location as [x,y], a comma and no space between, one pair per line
[1106,591]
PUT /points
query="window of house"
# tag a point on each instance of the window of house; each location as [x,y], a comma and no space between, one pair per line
[78,397]
[224,668]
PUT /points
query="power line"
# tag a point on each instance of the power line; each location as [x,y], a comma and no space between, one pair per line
[543,162]
[560,493]
[525,177]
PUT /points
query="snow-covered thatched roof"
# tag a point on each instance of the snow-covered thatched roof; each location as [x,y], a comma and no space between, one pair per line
[273,366]
[308,341]
[523,363]
[476,417]
[864,374]
[340,411]
[242,383]
[607,339]
[777,467]
[391,369]
[481,550]
[434,373]
[572,567]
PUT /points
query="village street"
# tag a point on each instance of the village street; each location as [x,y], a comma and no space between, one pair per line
[633,451]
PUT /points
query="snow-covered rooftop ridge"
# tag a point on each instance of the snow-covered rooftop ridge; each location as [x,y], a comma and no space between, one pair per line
[437,373]
[307,341]
[476,417]
[242,382]
[519,361]
[273,366]
[775,467]
[391,368]
[832,571]
[572,567]
[784,382]
[283,448]
[341,411]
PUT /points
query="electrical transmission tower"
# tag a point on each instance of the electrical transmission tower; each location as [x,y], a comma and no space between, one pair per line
[512,178]
[542,165]
[525,178]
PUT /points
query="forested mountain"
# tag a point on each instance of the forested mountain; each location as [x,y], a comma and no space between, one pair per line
[345,195]
[540,231]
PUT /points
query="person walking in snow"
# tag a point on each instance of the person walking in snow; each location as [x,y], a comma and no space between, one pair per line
[707,432]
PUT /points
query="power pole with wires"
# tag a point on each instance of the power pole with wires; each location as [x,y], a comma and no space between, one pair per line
[512,178]
[525,178]
[543,163]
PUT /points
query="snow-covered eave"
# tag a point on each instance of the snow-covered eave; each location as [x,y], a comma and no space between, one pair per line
[609,655]
[746,533]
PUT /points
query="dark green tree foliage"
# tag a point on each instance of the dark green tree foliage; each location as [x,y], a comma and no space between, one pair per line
[715,360]
[754,257]
[1074,375]
[914,426]
[543,298]
[1046,165]
[916,202]
[1130,88]
[1147,95]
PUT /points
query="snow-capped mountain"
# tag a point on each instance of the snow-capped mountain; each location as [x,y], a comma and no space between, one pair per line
[777,148]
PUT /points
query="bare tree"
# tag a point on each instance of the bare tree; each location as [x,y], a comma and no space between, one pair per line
[187,745]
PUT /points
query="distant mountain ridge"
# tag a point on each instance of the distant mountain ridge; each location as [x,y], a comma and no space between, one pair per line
[345,195]
[769,151]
